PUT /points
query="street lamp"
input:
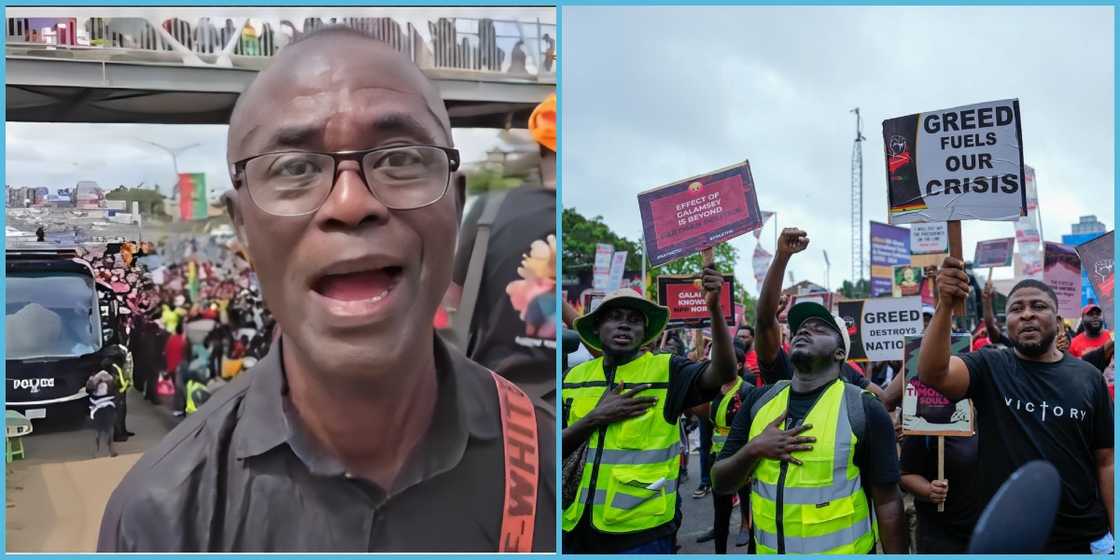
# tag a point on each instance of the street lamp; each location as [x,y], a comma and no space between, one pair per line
[174,153]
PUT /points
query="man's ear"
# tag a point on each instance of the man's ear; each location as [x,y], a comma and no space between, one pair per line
[231,201]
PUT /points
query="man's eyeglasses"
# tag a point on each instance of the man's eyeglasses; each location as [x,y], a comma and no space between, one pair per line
[297,183]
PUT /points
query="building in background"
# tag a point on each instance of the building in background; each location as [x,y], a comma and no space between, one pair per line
[1085,230]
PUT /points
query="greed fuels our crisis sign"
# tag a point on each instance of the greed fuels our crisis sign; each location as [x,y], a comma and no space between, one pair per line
[684,297]
[877,327]
[964,163]
[684,217]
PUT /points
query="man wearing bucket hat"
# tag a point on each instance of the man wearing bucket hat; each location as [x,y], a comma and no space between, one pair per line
[818,453]
[620,414]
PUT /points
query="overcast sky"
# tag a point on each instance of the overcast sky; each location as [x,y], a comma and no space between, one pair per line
[60,154]
[657,94]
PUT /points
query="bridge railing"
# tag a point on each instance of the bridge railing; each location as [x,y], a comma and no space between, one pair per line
[517,49]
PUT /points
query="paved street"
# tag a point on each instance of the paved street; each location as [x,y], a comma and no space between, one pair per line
[698,512]
[55,497]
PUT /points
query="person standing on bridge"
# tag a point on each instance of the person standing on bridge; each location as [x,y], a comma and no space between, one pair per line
[361,430]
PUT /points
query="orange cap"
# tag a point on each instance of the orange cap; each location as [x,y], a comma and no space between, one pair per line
[542,123]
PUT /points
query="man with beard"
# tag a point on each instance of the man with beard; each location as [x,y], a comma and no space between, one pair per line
[818,453]
[1032,403]
[1094,335]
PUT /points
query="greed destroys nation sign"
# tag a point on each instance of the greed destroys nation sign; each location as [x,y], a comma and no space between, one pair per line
[964,163]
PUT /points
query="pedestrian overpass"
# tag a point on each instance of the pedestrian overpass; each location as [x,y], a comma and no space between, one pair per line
[189,70]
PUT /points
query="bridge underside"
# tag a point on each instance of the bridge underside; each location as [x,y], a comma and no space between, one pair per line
[52,90]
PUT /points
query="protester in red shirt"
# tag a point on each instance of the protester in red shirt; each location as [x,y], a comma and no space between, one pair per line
[750,363]
[1094,334]
[174,349]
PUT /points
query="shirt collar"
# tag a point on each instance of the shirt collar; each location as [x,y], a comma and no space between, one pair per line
[464,391]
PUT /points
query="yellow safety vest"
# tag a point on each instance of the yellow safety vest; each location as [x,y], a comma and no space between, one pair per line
[823,508]
[722,427]
[191,386]
[123,382]
[633,465]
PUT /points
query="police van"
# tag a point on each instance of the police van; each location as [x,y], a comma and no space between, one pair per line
[60,322]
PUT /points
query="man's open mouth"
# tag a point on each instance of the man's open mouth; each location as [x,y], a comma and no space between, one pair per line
[622,339]
[371,285]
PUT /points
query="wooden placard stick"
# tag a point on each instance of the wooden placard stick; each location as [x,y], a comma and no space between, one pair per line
[956,252]
[941,465]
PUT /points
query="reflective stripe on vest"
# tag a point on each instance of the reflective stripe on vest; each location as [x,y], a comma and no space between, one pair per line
[823,505]
[637,464]
[122,382]
[191,386]
[721,428]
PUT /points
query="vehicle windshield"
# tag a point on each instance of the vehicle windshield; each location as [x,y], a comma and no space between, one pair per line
[51,316]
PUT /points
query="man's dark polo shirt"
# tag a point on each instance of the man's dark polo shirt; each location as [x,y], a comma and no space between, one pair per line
[241,474]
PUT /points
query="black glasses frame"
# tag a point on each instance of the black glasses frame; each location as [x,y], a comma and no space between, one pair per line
[239,180]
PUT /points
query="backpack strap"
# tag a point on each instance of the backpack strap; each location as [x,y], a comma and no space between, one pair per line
[522,462]
[857,416]
[769,394]
[461,322]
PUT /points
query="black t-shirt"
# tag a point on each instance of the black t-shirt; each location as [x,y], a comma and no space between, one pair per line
[963,504]
[782,370]
[1059,412]
[876,455]
[684,392]
[513,329]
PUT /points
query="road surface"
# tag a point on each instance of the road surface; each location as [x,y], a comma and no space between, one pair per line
[699,513]
[55,497]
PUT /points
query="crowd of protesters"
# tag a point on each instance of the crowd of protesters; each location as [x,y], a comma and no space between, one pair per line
[189,316]
[753,430]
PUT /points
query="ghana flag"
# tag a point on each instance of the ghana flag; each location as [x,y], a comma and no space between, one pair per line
[192,196]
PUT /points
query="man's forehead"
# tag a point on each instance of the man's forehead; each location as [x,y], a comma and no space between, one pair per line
[342,71]
[1029,293]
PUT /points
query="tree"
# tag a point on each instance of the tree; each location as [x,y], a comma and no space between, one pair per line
[582,234]
[725,255]
[151,202]
[488,179]
[860,290]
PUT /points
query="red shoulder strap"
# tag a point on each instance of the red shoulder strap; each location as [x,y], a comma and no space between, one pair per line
[519,433]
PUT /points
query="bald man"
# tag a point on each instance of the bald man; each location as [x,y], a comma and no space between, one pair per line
[361,430]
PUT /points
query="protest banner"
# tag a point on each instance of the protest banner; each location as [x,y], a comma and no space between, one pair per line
[1028,234]
[907,281]
[877,326]
[929,238]
[1097,258]
[890,247]
[618,267]
[993,253]
[687,306]
[926,412]
[601,273]
[760,262]
[683,217]
[591,299]
[964,163]
[1061,270]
